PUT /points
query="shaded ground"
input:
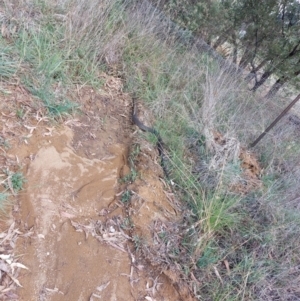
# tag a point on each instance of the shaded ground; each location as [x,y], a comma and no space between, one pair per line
[79,226]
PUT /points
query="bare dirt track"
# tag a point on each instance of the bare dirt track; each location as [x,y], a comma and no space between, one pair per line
[77,235]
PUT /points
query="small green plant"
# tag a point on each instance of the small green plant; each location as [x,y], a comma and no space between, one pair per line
[17,180]
[126,196]
[216,210]
[55,107]
[8,64]
[4,143]
[208,257]
[134,152]
[127,224]
[3,202]
[60,108]
[131,177]
[20,113]
[152,138]
[137,241]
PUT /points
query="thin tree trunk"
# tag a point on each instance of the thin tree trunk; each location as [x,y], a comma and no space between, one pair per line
[262,80]
[246,58]
[267,74]
[235,49]
[222,38]
[253,72]
[277,86]
[209,40]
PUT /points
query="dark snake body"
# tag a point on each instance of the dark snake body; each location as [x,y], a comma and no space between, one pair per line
[159,143]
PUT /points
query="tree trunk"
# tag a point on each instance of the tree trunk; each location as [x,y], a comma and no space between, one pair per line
[277,86]
[246,58]
[209,40]
[267,74]
[253,72]
[235,49]
[262,80]
[279,83]
[222,38]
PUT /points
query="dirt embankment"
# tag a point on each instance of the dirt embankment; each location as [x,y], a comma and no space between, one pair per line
[81,229]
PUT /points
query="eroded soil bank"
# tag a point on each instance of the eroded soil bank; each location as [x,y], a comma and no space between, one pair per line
[80,228]
[63,186]
[72,175]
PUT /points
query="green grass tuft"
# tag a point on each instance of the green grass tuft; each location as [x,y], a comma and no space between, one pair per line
[125,198]
[3,202]
[8,63]
[17,181]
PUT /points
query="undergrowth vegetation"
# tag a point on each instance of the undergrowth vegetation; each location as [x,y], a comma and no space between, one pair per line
[240,233]
[3,203]
[11,183]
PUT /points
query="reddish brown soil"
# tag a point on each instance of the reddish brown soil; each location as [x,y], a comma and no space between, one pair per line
[75,233]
